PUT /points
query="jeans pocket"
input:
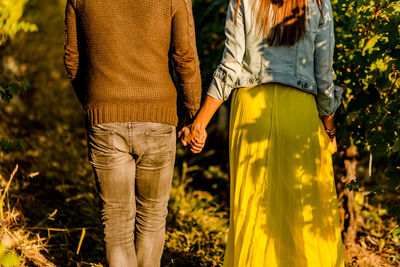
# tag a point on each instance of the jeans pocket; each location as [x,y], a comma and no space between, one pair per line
[101,145]
[160,144]
[160,130]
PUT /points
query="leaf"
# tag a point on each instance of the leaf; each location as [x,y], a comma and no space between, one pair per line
[396,232]
[396,146]
[6,96]
[13,87]
[25,84]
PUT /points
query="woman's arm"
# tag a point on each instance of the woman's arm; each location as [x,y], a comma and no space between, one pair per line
[228,71]
[206,112]
[329,124]
[197,130]
[224,80]
[328,94]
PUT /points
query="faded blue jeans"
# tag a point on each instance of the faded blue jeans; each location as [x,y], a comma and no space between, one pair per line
[133,164]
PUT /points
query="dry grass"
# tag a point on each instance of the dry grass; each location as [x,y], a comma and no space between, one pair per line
[376,244]
[196,232]
[19,246]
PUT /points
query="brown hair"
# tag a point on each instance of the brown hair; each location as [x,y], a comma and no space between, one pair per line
[282,22]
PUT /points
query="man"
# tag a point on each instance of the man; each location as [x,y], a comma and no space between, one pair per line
[118,55]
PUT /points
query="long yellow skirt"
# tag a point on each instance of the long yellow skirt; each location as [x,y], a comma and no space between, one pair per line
[284,209]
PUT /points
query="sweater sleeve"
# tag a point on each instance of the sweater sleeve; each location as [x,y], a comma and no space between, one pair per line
[183,53]
[71,53]
[328,95]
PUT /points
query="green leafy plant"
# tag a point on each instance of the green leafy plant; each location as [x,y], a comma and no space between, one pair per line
[9,90]
[197,221]
[367,66]
[11,12]
[10,24]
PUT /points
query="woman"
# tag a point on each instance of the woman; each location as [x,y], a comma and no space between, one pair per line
[284,209]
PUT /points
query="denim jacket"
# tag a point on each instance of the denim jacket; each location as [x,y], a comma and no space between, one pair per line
[307,65]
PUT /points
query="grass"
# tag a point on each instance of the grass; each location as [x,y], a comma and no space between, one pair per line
[196,227]
[49,206]
[18,246]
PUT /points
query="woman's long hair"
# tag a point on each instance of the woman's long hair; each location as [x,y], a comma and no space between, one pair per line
[281,22]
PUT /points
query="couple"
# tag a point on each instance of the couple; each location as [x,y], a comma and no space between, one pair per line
[277,67]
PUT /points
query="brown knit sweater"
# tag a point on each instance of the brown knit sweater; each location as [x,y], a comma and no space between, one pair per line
[119,53]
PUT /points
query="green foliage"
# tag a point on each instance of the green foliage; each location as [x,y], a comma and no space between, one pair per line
[367,67]
[8,90]
[8,146]
[209,18]
[10,19]
[61,199]
[10,15]
[396,236]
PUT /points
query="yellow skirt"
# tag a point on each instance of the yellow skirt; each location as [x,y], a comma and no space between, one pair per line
[284,209]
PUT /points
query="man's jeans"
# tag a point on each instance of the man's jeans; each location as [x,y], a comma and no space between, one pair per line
[133,164]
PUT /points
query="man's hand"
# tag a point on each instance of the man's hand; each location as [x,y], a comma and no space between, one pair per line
[198,128]
[185,135]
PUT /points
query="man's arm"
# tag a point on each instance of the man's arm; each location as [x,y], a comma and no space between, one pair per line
[184,54]
[71,52]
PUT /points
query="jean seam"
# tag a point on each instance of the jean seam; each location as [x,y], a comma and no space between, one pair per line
[130,137]
[112,132]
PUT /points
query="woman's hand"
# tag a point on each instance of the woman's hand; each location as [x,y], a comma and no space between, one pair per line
[195,136]
[198,128]
[329,124]
[333,140]
[197,145]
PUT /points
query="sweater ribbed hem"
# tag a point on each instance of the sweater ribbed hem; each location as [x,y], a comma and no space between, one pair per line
[131,113]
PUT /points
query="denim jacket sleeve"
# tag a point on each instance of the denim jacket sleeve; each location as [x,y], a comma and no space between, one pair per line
[228,71]
[328,95]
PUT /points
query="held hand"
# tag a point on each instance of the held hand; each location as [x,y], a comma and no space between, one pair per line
[184,135]
[197,145]
[198,132]
[188,132]
[198,128]
[193,135]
